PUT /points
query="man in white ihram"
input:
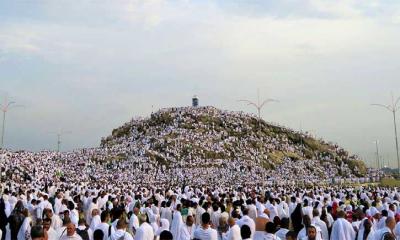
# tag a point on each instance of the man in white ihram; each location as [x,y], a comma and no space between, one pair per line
[187,230]
[71,233]
[388,229]
[120,233]
[145,231]
[177,222]
[234,231]
[204,231]
[246,220]
[342,229]
[320,224]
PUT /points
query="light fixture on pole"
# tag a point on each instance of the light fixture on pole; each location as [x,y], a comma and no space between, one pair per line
[5,107]
[258,105]
[393,108]
[59,134]
[377,154]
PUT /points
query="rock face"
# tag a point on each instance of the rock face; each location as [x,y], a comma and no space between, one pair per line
[206,137]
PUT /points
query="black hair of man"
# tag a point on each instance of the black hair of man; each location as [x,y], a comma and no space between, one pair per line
[384,213]
[98,235]
[104,216]
[245,211]
[215,207]
[315,212]
[166,235]
[285,223]
[306,220]
[222,208]
[81,221]
[291,234]
[71,205]
[46,220]
[205,218]
[66,221]
[37,232]
[270,227]
[245,232]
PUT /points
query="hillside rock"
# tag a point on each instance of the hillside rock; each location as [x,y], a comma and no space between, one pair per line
[205,136]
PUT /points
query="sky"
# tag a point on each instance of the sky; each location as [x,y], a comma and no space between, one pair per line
[86,67]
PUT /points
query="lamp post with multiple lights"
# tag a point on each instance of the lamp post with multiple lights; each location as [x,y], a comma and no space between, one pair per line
[393,108]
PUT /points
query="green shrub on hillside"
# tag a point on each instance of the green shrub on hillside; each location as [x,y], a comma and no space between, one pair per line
[316,145]
[121,131]
[389,182]
[358,167]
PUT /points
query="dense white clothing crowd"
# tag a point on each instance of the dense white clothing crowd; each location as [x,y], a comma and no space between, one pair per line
[193,173]
[57,210]
[175,146]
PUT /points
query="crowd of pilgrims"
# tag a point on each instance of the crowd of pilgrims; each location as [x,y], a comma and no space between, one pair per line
[184,176]
[202,139]
[57,210]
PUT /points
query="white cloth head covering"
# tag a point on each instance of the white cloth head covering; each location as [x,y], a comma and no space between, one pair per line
[318,231]
[164,226]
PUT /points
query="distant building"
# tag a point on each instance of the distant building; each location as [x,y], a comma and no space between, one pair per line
[195,101]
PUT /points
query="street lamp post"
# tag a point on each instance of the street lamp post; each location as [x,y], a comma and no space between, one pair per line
[5,107]
[377,154]
[258,105]
[59,135]
[58,142]
[393,108]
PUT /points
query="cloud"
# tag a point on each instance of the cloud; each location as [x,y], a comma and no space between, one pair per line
[96,64]
[336,9]
[147,12]
[19,41]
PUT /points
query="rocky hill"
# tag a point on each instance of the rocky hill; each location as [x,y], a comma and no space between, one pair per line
[201,146]
[208,137]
